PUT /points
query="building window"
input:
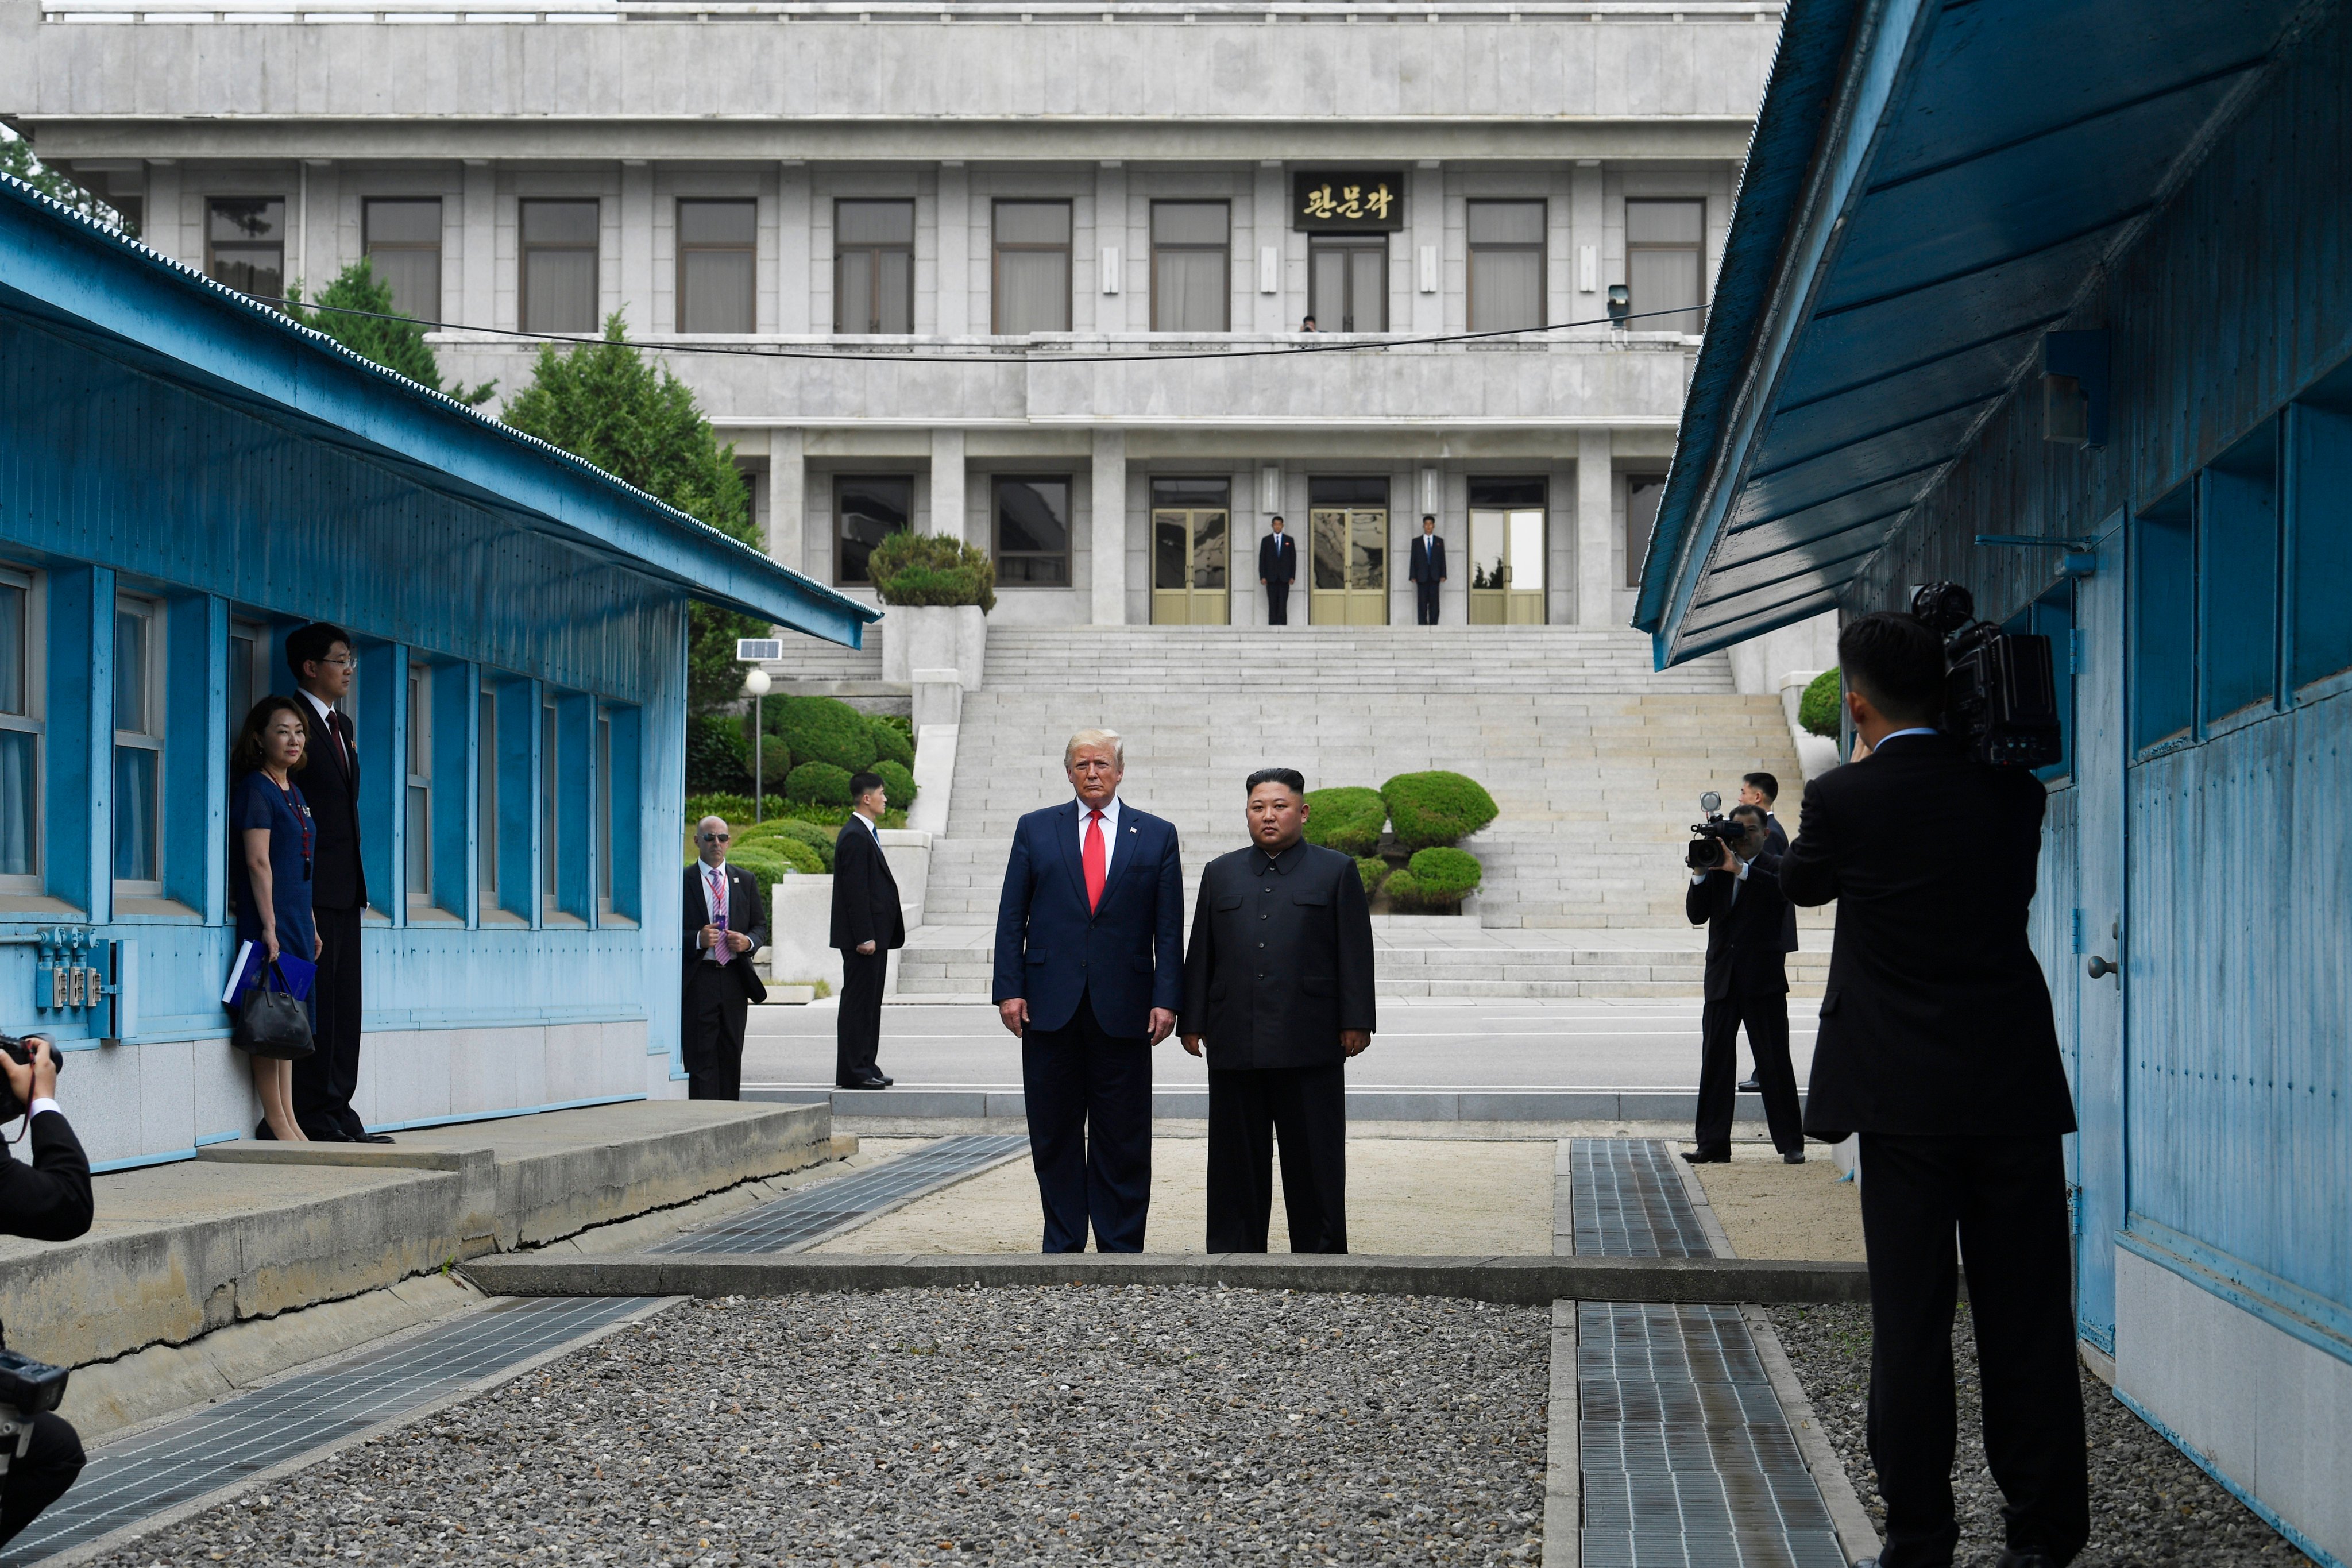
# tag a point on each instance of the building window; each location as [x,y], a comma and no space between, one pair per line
[1191,267]
[604,784]
[1664,264]
[244,243]
[873,267]
[248,670]
[870,510]
[2163,622]
[717,266]
[403,240]
[559,266]
[138,746]
[549,844]
[417,798]
[1643,494]
[1347,284]
[1033,266]
[485,802]
[1507,266]
[20,734]
[2238,576]
[1032,532]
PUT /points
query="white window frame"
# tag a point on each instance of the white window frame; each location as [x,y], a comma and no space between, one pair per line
[416,751]
[31,721]
[142,739]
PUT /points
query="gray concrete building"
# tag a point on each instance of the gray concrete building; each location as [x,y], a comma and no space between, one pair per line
[1031,274]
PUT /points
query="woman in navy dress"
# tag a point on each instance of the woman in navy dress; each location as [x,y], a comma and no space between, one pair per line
[270,844]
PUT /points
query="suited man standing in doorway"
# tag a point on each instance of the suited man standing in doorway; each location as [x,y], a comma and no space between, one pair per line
[724,927]
[322,661]
[1277,568]
[868,923]
[1427,570]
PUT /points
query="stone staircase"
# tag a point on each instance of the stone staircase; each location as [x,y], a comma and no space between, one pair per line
[1596,762]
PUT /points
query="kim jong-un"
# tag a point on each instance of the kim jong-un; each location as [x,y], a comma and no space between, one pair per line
[1279,985]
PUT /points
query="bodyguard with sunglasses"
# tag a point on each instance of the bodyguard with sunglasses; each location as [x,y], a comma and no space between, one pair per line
[724,927]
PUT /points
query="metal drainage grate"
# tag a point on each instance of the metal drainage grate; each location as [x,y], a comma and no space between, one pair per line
[1629,1201]
[816,1210]
[224,1443]
[1686,1457]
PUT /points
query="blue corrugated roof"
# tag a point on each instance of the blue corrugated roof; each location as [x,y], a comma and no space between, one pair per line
[78,277]
[1933,184]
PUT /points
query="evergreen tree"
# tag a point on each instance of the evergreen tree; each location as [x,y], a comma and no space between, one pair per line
[607,402]
[364,319]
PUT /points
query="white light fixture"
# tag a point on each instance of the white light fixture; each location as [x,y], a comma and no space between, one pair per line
[1269,490]
[1269,270]
[1110,268]
[1429,491]
[1588,270]
[757,682]
[1428,280]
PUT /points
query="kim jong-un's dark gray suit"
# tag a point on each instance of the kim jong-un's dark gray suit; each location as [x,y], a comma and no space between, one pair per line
[1280,962]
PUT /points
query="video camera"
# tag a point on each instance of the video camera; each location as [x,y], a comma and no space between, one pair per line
[21,1053]
[27,1388]
[1705,852]
[2001,697]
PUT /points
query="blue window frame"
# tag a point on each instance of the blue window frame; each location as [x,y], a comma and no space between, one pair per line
[2237,527]
[2163,629]
[2317,496]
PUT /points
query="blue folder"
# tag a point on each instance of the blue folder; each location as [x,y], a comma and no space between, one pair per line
[253,963]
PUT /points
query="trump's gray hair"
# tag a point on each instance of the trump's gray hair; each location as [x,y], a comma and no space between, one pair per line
[1095,738]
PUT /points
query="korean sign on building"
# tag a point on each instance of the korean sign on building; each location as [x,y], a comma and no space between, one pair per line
[1348,201]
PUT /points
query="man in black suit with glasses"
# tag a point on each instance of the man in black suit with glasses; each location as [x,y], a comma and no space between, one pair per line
[724,927]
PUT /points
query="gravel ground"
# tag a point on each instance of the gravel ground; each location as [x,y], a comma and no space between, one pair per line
[2148,1504]
[945,1426]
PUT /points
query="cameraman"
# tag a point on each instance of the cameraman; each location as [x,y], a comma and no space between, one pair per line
[1937,1046]
[1751,928]
[49,1200]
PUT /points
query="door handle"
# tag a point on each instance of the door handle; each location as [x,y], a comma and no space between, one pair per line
[2099,968]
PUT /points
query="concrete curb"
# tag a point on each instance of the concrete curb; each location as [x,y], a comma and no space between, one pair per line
[1563,1531]
[1667,1105]
[1515,1281]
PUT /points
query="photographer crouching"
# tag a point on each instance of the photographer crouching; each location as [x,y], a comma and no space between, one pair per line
[1750,930]
[49,1200]
[1937,1045]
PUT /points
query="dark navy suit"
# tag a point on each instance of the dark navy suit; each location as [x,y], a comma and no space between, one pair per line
[1091,978]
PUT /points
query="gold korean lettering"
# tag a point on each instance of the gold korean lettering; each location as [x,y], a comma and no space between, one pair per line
[1352,204]
[1319,203]
[1379,201]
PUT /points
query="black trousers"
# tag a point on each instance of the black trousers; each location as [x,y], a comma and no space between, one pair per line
[1277,604]
[1304,1111]
[49,1465]
[1088,1095]
[2007,1197]
[713,1040]
[325,1081]
[1766,1015]
[1424,602]
[857,1031]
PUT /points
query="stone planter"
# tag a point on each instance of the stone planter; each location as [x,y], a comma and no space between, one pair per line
[933,636]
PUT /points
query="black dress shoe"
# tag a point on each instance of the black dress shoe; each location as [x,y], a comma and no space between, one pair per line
[1796,1159]
[373,1138]
[2027,1557]
[1701,1157]
[877,1082]
[1749,1086]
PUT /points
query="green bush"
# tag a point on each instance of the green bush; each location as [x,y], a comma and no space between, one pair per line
[765,868]
[814,835]
[1435,808]
[820,783]
[826,730]
[1819,708]
[1372,869]
[735,808]
[932,569]
[715,759]
[1444,873]
[1346,817]
[898,783]
[775,760]
[891,743]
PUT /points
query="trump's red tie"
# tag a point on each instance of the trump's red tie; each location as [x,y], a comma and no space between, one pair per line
[1098,862]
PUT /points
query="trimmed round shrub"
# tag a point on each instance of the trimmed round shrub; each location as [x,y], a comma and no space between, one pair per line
[766,870]
[1435,808]
[775,760]
[898,783]
[932,569]
[1372,869]
[1817,709]
[820,783]
[1346,817]
[715,758]
[814,835]
[891,743]
[1444,874]
[826,730]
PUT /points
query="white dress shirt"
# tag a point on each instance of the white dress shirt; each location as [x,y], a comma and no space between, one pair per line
[1110,834]
[325,710]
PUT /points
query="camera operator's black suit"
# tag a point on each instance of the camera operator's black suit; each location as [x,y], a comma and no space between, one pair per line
[49,1200]
[1937,1046]
[1751,928]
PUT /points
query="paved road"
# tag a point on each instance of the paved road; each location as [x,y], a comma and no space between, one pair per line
[1583,1044]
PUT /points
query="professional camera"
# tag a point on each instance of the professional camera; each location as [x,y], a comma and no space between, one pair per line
[2000,699]
[1705,852]
[27,1388]
[21,1053]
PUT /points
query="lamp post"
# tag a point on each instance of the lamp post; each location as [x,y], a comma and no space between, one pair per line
[757,684]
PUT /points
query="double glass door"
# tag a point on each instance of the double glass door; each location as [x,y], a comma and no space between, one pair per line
[1348,284]
[1506,567]
[1350,582]
[1191,534]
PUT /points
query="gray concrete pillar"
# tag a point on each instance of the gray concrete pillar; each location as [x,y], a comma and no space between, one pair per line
[1594,581]
[955,241]
[792,235]
[947,514]
[1585,251]
[1270,230]
[1424,309]
[1110,310]
[636,300]
[1107,529]
[478,265]
[788,499]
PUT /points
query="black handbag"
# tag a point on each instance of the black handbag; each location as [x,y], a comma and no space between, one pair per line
[274,1023]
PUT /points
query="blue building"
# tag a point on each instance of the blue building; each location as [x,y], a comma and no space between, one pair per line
[185,476]
[2054,298]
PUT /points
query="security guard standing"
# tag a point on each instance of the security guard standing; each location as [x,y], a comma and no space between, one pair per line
[1278,981]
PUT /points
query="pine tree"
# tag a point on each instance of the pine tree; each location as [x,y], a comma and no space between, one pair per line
[607,402]
[363,319]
